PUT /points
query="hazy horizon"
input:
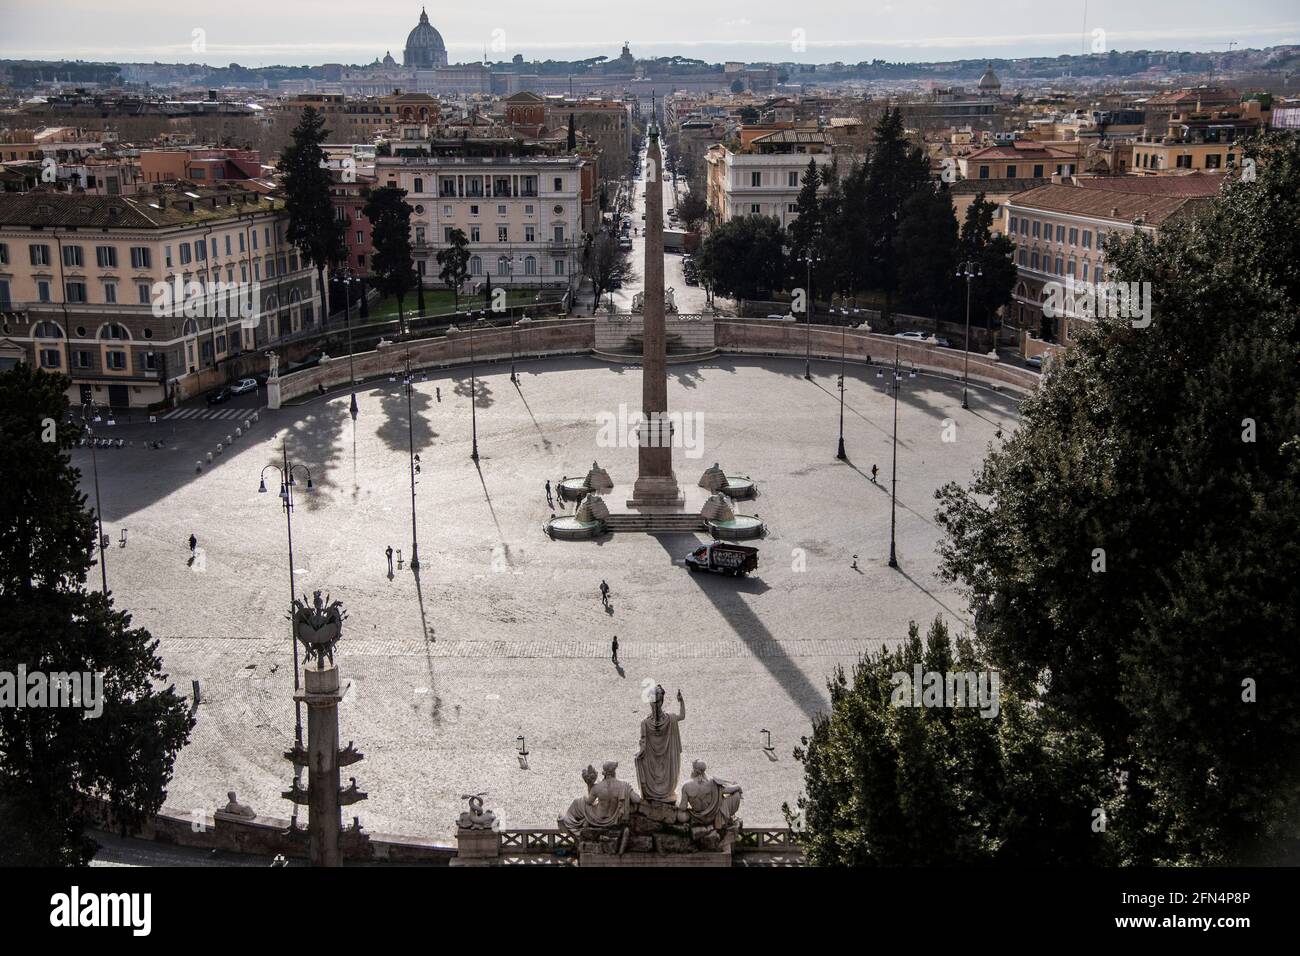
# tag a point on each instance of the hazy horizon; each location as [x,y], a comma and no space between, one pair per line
[303,33]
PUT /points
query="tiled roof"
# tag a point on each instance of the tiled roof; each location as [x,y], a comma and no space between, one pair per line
[789,136]
[143,211]
[1103,203]
[1019,150]
[1191,184]
[963,187]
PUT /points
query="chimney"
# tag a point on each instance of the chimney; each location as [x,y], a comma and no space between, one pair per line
[1056,179]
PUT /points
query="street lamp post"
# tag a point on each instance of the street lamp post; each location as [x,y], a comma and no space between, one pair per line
[808,261]
[409,386]
[348,280]
[287,483]
[844,329]
[893,493]
[473,386]
[87,414]
[970,269]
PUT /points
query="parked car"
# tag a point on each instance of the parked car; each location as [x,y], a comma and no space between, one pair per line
[911,336]
[243,385]
[943,343]
[219,395]
[1035,362]
[723,557]
[788,317]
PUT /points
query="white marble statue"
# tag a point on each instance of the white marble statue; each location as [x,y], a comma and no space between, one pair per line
[710,802]
[659,759]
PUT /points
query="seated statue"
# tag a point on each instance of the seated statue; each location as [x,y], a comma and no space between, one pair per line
[710,802]
[234,808]
[575,818]
[607,804]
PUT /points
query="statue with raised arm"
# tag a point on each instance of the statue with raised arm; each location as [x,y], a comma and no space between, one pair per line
[659,759]
[710,802]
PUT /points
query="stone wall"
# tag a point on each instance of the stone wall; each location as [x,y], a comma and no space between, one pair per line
[577,337]
[790,338]
[539,338]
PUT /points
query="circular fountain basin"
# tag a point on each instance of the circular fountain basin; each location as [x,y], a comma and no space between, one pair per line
[573,489]
[739,488]
[569,528]
[738,528]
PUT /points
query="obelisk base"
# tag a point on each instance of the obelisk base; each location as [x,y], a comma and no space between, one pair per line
[659,491]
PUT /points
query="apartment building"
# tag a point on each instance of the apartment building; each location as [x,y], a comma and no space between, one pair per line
[1019,160]
[524,207]
[1059,230]
[763,179]
[81,280]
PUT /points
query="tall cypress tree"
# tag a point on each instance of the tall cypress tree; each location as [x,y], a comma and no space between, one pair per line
[52,758]
[897,169]
[390,236]
[313,226]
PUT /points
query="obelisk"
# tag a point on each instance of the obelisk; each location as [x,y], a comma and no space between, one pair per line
[655,481]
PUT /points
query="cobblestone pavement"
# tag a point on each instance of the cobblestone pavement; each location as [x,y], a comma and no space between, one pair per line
[503,634]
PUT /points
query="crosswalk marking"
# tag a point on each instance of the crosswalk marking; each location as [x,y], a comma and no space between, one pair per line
[208,414]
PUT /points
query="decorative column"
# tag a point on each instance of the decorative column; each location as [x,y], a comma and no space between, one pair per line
[318,626]
[655,482]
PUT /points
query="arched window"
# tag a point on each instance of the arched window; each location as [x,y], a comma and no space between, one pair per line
[530,266]
[191,327]
[475,266]
[112,330]
[47,330]
[503,265]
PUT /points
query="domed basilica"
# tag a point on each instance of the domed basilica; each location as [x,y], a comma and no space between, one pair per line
[424,47]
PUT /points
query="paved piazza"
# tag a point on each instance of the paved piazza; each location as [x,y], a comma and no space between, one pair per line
[504,634]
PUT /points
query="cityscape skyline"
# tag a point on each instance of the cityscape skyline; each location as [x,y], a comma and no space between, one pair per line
[155,32]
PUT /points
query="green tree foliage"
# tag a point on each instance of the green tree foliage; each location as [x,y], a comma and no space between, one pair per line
[892,784]
[805,229]
[993,253]
[744,257]
[928,250]
[897,169]
[53,757]
[1171,453]
[390,235]
[313,226]
[454,260]
[693,209]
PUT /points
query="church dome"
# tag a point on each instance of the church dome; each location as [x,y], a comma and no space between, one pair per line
[424,46]
[388,59]
[989,82]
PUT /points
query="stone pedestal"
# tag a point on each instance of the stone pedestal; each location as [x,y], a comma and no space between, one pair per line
[273,393]
[321,695]
[719,858]
[477,847]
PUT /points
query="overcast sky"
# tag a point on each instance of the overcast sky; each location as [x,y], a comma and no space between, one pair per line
[258,32]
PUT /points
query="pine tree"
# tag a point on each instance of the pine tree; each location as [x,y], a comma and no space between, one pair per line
[313,225]
[454,260]
[994,254]
[1129,553]
[390,236]
[52,758]
[928,253]
[897,169]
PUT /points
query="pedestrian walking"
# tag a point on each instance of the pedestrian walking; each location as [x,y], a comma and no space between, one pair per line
[875,470]
[613,648]
[194,545]
[388,553]
[550,501]
[438,389]
[855,563]
[604,593]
